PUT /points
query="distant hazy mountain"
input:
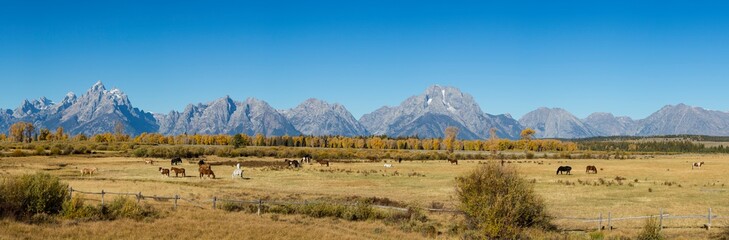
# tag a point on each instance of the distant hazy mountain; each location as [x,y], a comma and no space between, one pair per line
[427,115]
[97,111]
[556,123]
[225,116]
[318,118]
[608,125]
[684,119]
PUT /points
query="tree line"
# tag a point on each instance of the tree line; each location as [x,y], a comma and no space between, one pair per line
[26,132]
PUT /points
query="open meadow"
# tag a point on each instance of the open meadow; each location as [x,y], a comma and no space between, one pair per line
[621,188]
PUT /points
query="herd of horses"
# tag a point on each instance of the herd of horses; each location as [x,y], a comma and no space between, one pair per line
[205,169]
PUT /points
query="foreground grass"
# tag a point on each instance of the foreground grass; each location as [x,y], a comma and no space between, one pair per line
[207,224]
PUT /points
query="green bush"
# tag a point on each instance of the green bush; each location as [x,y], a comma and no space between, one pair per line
[651,230]
[498,203]
[27,195]
[75,208]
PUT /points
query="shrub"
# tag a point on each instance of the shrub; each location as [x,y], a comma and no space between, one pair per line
[75,208]
[124,207]
[498,203]
[651,230]
[27,195]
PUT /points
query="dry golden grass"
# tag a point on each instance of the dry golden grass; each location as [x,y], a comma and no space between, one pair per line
[419,183]
[207,224]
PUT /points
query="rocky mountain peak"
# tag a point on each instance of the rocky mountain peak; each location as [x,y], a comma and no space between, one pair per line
[317,117]
[428,114]
[98,87]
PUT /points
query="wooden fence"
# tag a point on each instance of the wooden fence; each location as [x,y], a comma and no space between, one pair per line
[259,202]
[603,221]
[606,222]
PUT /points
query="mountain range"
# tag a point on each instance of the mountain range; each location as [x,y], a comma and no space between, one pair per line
[425,115]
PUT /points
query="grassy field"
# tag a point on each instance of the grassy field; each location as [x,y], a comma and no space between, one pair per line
[646,186]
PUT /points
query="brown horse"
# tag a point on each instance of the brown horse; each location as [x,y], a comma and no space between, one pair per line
[454,161]
[164,171]
[591,169]
[206,169]
[178,171]
[323,162]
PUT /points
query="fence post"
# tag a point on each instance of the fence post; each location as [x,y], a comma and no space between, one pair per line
[214,200]
[708,225]
[660,221]
[176,197]
[139,197]
[102,198]
[599,223]
[610,223]
[260,203]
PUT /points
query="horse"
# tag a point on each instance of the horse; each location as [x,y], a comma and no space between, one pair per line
[454,161]
[399,160]
[88,171]
[237,171]
[206,170]
[292,163]
[387,165]
[149,161]
[697,165]
[164,171]
[306,159]
[323,162]
[564,169]
[176,161]
[591,169]
[178,171]
[201,162]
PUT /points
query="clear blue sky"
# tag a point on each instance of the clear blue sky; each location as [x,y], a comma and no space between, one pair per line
[625,57]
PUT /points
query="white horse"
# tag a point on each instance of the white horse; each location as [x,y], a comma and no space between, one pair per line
[237,171]
[387,165]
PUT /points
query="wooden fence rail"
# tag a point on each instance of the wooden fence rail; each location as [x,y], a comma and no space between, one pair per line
[260,202]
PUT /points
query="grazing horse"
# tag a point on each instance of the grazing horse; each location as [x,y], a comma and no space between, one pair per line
[206,169]
[237,171]
[88,171]
[201,162]
[697,165]
[178,171]
[292,163]
[164,171]
[591,169]
[306,159]
[387,165]
[323,162]
[454,161]
[176,161]
[149,161]
[564,170]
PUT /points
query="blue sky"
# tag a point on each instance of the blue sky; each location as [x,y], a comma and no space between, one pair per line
[622,57]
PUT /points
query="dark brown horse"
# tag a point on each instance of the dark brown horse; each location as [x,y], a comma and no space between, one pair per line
[564,170]
[164,171]
[323,162]
[591,169]
[453,161]
[176,161]
[292,163]
[178,171]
